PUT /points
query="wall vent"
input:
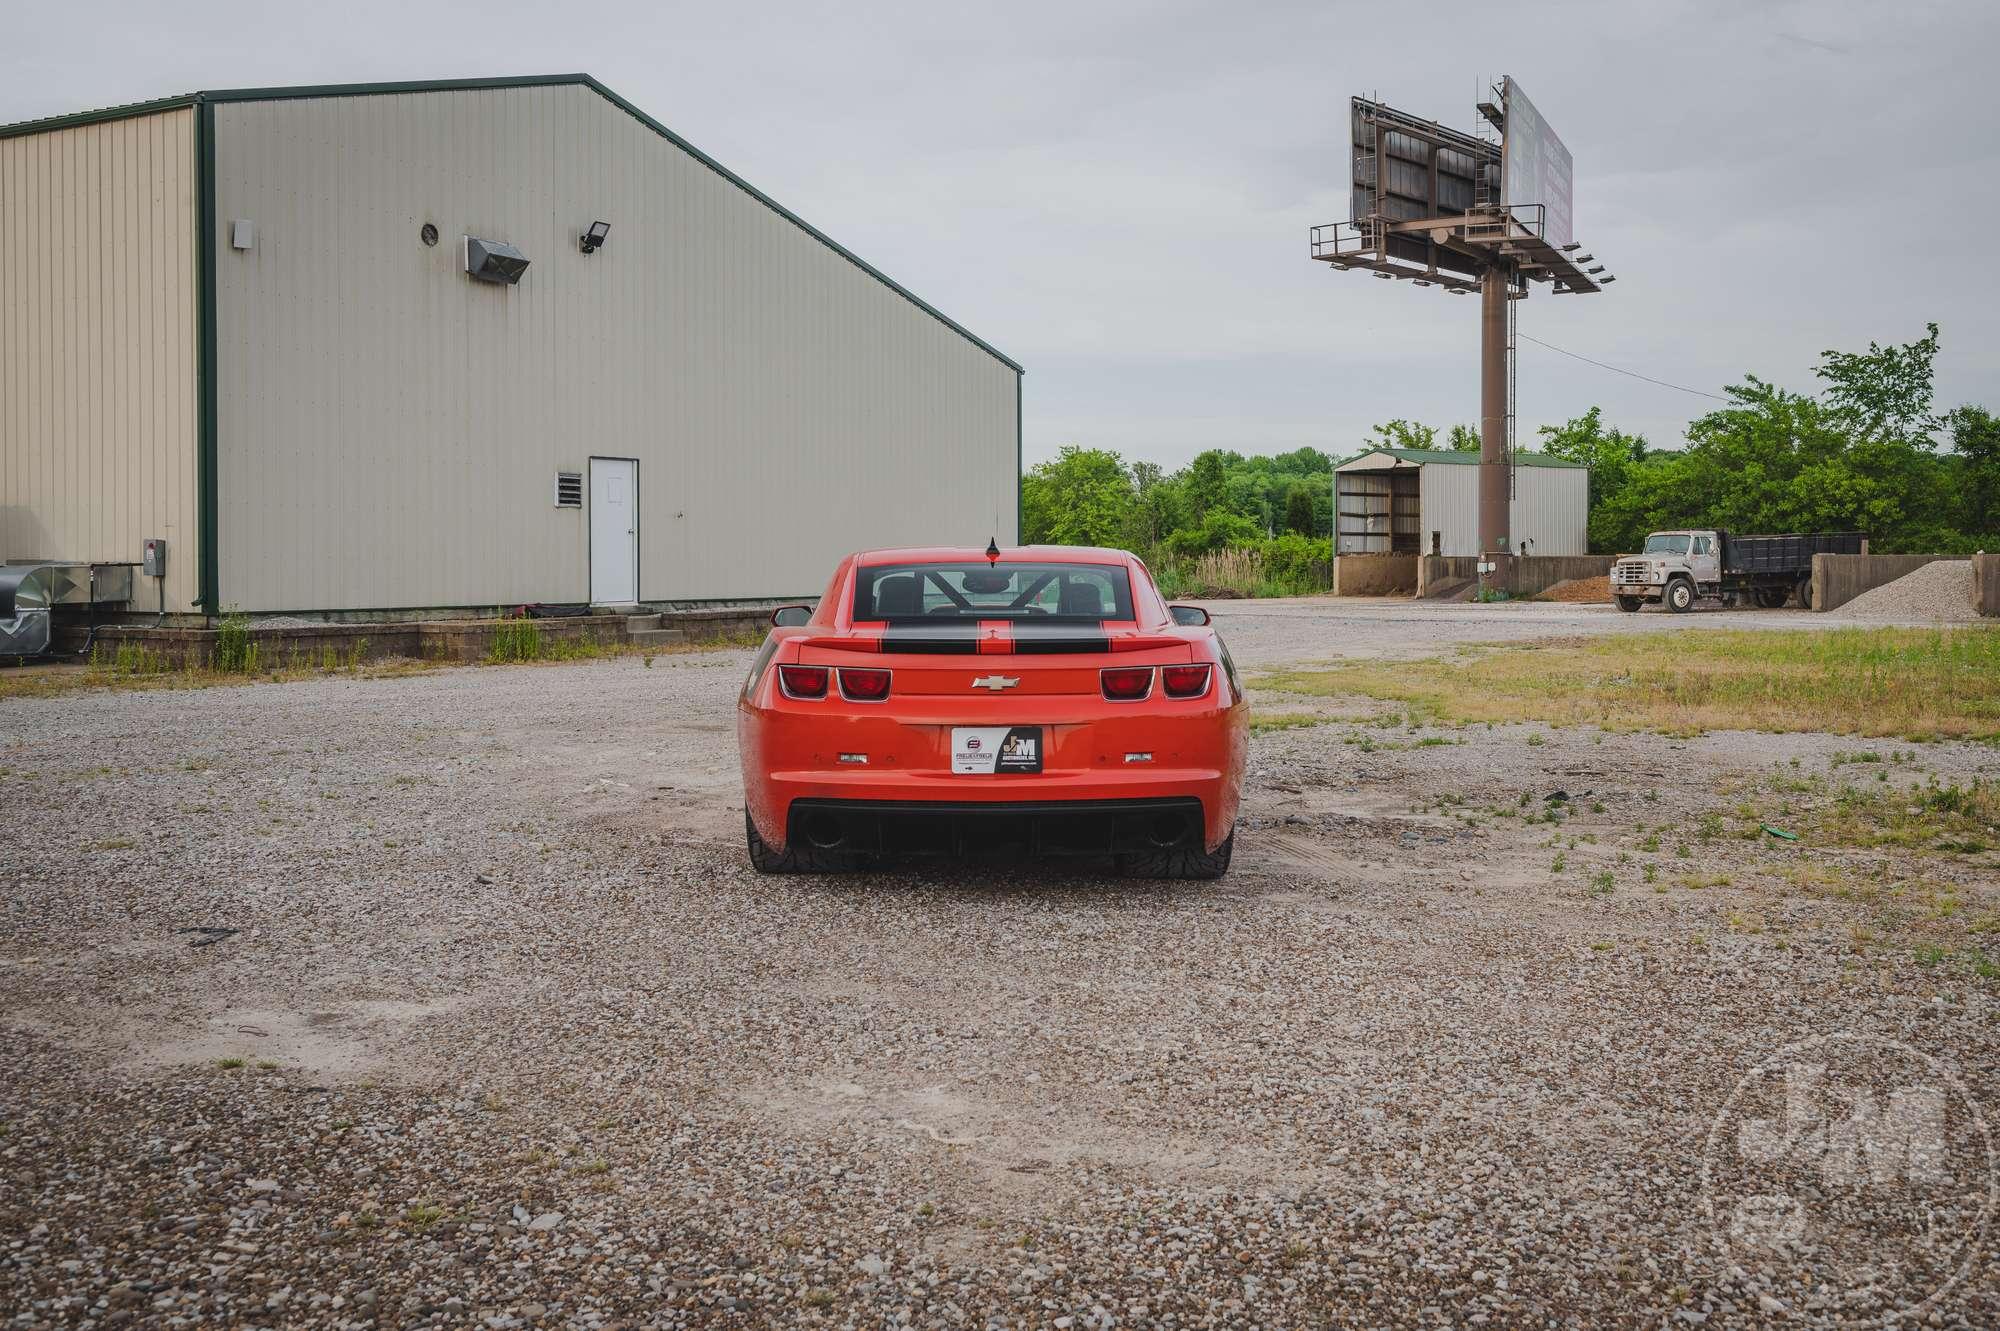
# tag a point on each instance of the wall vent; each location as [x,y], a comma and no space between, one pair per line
[569,489]
[494,261]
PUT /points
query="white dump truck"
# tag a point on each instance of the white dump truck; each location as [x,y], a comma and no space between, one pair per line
[1679,568]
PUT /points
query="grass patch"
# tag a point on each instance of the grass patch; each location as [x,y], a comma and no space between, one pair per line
[1941,817]
[1921,684]
[422,1216]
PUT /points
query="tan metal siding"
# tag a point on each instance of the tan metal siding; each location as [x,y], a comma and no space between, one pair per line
[97,345]
[389,430]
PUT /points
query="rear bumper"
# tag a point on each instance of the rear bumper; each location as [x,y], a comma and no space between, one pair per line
[1115,756]
[995,828]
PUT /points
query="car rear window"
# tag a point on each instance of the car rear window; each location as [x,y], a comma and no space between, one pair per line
[1054,592]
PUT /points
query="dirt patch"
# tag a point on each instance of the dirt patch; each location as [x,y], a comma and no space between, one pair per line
[1579,591]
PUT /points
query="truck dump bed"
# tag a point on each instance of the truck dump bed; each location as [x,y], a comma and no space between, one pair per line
[1788,555]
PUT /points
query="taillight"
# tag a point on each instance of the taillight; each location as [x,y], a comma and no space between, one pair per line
[864,685]
[802,681]
[1184,681]
[1126,683]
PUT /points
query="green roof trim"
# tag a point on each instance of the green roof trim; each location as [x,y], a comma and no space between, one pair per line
[1454,457]
[132,109]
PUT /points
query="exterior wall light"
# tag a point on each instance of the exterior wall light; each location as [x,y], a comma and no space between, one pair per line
[590,241]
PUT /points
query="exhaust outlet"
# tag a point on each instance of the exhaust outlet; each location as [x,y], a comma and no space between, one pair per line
[1167,829]
[825,831]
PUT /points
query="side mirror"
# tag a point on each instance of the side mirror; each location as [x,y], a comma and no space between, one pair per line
[791,616]
[1188,616]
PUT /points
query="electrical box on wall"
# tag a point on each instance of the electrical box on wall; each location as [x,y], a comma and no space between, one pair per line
[153,562]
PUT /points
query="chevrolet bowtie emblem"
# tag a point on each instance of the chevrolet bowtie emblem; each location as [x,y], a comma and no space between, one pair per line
[994,682]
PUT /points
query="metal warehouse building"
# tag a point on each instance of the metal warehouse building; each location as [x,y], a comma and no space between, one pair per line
[1426,501]
[412,346]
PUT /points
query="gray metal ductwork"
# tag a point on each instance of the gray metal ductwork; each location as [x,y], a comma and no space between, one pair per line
[29,593]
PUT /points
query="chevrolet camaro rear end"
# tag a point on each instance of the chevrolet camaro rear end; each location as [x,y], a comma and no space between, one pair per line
[981,705]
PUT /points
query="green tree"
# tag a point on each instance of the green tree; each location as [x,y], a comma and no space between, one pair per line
[1206,484]
[1083,497]
[1404,434]
[1463,439]
[1884,390]
[1975,444]
[1299,511]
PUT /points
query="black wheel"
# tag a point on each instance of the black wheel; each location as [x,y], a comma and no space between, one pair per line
[1630,604]
[793,859]
[1190,863]
[1680,596]
[1804,591]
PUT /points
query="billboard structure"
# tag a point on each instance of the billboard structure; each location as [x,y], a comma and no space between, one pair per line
[1535,166]
[1490,213]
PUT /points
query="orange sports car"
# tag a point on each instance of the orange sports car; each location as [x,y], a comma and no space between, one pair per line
[992,704]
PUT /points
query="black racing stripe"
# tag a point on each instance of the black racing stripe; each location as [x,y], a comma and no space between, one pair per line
[932,639]
[1057,639]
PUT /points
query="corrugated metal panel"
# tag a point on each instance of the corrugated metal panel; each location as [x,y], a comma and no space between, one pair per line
[1551,507]
[97,344]
[1551,510]
[1451,508]
[389,430]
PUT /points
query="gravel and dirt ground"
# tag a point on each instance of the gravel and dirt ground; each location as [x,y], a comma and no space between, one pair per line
[451,999]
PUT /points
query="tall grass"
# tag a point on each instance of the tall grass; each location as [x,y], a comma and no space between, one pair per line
[236,652]
[516,640]
[1914,683]
[1284,569]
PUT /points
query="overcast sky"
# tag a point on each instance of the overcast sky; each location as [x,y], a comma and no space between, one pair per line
[1118,195]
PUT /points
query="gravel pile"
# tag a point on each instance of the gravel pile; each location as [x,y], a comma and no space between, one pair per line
[508,1034]
[1938,591]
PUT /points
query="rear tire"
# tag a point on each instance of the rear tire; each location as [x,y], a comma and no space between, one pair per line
[1630,604]
[1195,863]
[1680,596]
[793,859]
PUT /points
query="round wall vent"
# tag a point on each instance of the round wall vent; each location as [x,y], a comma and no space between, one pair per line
[429,233]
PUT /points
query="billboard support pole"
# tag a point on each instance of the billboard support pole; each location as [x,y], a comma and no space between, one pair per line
[1493,486]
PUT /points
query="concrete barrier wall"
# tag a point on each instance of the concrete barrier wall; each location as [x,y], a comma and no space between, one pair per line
[1375,575]
[1538,573]
[1986,584]
[1437,574]
[313,646]
[1838,579]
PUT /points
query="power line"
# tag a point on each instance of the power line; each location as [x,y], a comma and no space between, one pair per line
[1632,374]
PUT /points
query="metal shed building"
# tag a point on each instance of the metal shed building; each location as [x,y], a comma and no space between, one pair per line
[1406,500]
[245,322]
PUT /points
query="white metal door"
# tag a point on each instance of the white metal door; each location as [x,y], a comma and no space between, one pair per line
[614,531]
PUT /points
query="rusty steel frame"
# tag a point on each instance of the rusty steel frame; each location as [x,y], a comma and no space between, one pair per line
[1503,247]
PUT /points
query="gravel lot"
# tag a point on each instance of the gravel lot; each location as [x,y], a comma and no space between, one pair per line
[525,1042]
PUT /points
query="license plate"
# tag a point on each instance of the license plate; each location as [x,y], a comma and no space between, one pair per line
[987,750]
